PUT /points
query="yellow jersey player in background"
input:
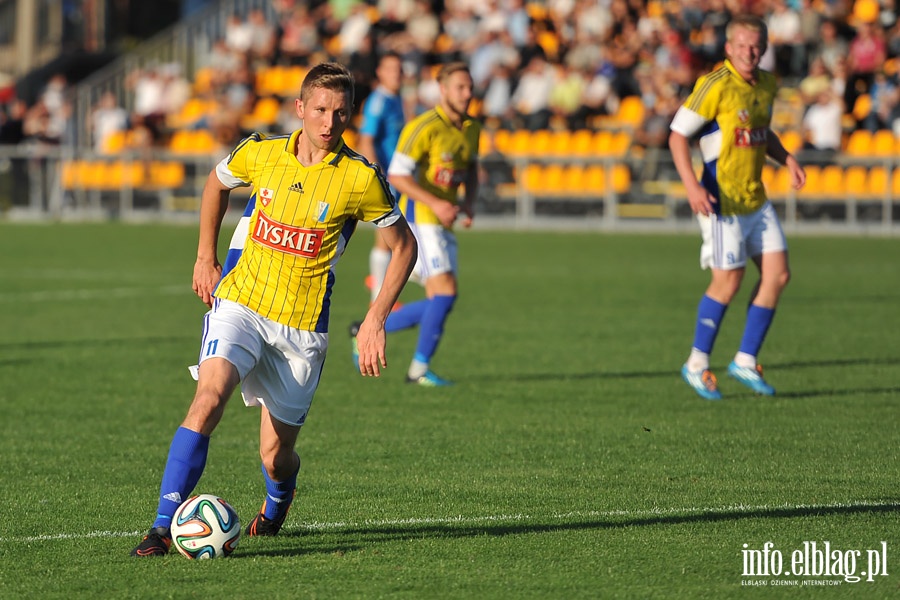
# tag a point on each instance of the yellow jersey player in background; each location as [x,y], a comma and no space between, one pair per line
[436,154]
[268,324]
[730,110]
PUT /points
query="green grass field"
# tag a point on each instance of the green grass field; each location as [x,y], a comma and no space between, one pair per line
[569,461]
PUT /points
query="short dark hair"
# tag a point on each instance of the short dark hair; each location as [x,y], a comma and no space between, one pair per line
[329,75]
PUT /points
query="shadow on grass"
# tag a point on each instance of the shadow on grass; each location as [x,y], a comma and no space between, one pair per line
[362,537]
[93,343]
[675,372]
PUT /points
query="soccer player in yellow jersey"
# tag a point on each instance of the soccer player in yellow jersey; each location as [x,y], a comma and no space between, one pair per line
[268,323]
[730,110]
[436,154]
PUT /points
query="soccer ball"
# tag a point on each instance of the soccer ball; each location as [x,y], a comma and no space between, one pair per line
[205,526]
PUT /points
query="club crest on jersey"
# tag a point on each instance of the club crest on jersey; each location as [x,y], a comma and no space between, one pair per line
[287,238]
[323,211]
[743,115]
[745,137]
[266,196]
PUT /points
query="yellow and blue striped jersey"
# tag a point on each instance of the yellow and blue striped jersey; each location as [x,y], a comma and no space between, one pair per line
[439,155]
[732,118]
[302,219]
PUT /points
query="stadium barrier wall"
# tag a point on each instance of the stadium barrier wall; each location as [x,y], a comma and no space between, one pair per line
[52,183]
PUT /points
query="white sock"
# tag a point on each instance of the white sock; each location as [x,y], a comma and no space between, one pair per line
[697,361]
[417,369]
[742,359]
[378,264]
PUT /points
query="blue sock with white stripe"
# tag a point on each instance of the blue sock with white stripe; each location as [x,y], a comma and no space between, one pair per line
[279,495]
[709,319]
[758,321]
[408,315]
[187,458]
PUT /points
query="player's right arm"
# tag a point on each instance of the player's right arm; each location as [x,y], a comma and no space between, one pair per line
[696,112]
[701,201]
[207,269]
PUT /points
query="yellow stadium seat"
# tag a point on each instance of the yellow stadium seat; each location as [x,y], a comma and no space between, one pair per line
[554,180]
[859,143]
[485,142]
[630,112]
[533,178]
[580,142]
[813,185]
[166,174]
[71,174]
[560,143]
[539,142]
[878,181]
[856,181]
[595,179]
[895,184]
[519,143]
[350,136]
[124,174]
[502,139]
[93,175]
[792,141]
[833,185]
[862,106]
[621,179]
[115,142]
[621,142]
[573,180]
[265,112]
[883,142]
[780,185]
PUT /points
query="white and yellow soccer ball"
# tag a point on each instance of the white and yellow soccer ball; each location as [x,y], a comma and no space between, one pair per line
[205,526]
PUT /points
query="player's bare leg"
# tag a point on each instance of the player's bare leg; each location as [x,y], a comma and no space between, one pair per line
[280,466]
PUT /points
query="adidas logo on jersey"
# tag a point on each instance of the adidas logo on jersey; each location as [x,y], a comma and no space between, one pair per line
[297,187]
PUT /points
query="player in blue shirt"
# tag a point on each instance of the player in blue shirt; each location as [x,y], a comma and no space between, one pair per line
[382,120]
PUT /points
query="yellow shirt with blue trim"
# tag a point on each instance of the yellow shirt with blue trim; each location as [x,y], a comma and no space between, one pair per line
[439,155]
[301,223]
[732,119]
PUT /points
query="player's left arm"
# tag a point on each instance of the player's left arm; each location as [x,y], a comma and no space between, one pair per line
[776,150]
[471,185]
[371,338]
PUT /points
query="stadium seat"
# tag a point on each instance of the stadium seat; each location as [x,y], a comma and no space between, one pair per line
[71,174]
[502,140]
[265,113]
[859,143]
[554,180]
[560,143]
[856,181]
[862,106]
[813,185]
[580,142]
[883,143]
[539,142]
[630,112]
[595,179]
[115,142]
[895,185]
[519,143]
[833,185]
[350,137]
[166,174]
[534,179]
[780,185]
[124,174]
[792,141]
[621,178]
[93,175]
[573,180]
[878,182]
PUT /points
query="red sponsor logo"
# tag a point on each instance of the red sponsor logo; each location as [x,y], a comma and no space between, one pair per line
[284,238]
[745,138]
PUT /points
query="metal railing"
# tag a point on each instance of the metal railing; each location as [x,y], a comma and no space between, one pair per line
[58,183]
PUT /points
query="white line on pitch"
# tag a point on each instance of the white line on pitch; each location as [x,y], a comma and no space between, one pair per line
[93,294]
[735,509]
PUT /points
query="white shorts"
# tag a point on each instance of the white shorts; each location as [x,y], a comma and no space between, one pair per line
[729,241]
[279,366]
[437,251]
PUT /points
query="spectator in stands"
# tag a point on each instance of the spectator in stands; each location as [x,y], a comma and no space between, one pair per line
[816,81]
[786,38]
[107,119]
[565,97]
[299,37]
[530,100]
[238,34]
[149,90]
[12,123]
[822,128]
[830,47]
[885,95]
[263,38]
[866,57]
[496,107]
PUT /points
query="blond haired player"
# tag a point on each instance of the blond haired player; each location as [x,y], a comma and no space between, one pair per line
[268,324]
[436,154]
[730,110]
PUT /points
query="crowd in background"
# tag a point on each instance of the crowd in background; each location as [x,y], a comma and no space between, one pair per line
[536,65]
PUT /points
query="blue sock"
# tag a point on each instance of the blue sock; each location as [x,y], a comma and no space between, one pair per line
[758,321]
[187,458]
[432,327]
[709,318]
[279,495]
[408,315]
